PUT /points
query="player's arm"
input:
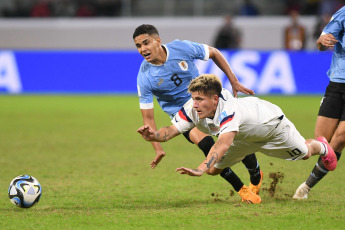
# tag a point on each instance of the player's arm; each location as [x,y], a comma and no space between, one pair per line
[148,118]
[215,155]
[162,135]
[326,41]
[222,63]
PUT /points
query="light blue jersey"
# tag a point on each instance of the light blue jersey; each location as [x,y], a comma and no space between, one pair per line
[169,82]
[336,27]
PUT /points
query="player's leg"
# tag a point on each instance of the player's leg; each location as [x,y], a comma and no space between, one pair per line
[324,127]
[235,154]
[320,171]
[205,143]
[255,173]
[331,110]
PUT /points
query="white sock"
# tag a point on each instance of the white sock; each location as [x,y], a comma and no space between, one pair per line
[323,149]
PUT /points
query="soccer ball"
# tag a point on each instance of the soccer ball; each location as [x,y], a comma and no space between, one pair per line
[24,191]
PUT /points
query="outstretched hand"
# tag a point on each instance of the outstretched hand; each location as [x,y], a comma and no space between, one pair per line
[190,172]
[157,159]
[147,132]
[238,87]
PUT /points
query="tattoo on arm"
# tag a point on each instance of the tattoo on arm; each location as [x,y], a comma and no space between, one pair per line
[214,159]
[196,170]
[166,133]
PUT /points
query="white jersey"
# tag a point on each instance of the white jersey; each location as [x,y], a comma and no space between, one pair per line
[246,116]
[260,125]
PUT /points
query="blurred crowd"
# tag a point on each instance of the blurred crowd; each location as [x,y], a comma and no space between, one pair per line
[294,34]
[111,8]
[63,8]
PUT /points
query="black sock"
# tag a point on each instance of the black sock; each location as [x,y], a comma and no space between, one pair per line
[319,171]
[232,178]
[206,144]
[253,167]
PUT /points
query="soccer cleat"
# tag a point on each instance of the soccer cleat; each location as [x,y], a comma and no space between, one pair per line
[330,160]
[248,196]
[256,188]
[302,192]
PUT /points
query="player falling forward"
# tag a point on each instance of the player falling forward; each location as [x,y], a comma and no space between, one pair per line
[166,73]
[242,126]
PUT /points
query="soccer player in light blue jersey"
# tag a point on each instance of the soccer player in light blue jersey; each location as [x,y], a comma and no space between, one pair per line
[330,122]
[165,73]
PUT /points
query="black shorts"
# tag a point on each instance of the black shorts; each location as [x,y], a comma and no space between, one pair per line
[333,102]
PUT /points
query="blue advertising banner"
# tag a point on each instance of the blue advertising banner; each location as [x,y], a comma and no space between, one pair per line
[266,72]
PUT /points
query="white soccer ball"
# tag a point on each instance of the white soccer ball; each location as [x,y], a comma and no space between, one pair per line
[24,191]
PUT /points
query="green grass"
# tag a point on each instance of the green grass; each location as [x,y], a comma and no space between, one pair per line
[95,172]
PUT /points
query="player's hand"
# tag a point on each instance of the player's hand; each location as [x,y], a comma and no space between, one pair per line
[157,159]
[327,40]
[147,132]
[190,172]
[238,87]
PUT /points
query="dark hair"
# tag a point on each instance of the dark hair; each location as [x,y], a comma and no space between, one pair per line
[145,29]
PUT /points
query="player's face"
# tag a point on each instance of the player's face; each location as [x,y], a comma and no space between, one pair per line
[149,47]
[204,105]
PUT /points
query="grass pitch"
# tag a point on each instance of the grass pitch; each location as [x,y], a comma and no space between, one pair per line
[95,172]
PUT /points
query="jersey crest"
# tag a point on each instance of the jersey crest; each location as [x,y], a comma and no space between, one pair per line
[226,119]
[183,65]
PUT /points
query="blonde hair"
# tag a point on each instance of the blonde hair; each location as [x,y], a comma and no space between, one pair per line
[207,84]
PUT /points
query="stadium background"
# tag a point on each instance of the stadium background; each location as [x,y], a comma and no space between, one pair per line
[65,121]
[96,54]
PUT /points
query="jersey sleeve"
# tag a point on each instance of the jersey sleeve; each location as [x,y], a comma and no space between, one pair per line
[198,51]
[182,121]
[336,25]
[144,92]
[230,122]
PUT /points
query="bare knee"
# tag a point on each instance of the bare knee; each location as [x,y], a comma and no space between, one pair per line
[196,136]
[338,142]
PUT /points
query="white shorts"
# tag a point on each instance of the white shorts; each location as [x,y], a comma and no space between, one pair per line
[285,143]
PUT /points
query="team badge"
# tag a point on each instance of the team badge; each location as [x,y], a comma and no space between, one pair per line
[183,65]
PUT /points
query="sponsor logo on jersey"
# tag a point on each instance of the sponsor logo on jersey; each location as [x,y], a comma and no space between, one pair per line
[183,65]
[226,119]
[160,81]
[176,119]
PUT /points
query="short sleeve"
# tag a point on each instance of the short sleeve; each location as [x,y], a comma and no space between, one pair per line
[230,122]
[336,25]
[182,121]
[198,51]
[144,92]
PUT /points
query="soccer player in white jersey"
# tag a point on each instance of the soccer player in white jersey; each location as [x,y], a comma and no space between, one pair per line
[242,126]
[165,73]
